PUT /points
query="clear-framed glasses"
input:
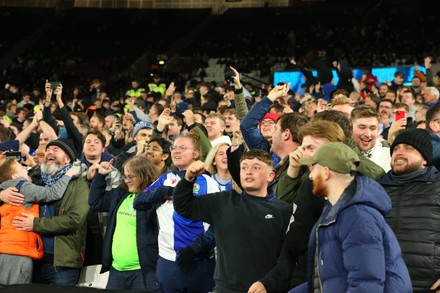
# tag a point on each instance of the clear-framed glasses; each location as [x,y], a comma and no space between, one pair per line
[180,148]
[129,177]
[153,149]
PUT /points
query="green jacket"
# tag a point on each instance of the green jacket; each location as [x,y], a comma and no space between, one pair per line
[69,227]
[240,104]
[287,186]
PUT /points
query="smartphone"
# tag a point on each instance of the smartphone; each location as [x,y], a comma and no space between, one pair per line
[54,84]
[399,115]
[13,155]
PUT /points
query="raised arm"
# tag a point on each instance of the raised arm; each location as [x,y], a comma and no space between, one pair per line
[240,100]
[24,134]
[187,205]
[45,127]
[249,125]
[72,132]
[205,144]
[47,114]
[35,193]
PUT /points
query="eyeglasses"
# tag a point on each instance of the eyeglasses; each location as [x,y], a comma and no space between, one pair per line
[180,148]
[129,177]
[153,149]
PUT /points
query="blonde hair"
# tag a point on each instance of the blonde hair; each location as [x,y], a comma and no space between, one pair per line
[210,157]
[343,100]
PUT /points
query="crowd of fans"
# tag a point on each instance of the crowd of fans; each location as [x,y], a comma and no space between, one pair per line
[186,185]
[131,182]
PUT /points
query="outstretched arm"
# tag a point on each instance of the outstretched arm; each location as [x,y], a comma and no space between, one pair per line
[35,193]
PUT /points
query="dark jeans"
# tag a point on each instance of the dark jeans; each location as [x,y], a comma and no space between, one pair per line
[125,280]
[47,273]
[198,278]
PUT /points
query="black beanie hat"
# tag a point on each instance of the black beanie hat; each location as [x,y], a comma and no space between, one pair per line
[417,138]
[66,145]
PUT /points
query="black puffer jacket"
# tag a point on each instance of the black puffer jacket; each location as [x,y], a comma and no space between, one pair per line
[415,219]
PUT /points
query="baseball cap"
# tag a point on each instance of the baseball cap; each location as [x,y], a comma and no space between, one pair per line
[337,156]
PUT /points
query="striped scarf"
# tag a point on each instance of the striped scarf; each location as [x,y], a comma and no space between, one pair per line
[49,181]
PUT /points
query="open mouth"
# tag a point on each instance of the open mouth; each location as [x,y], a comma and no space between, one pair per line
[400,161]
[365,142]
[50,159]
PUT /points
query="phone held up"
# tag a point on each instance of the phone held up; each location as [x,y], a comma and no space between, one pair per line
[54,84]
[399,115]
[13,155]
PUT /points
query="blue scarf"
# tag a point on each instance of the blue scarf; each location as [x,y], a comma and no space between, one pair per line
[49,180]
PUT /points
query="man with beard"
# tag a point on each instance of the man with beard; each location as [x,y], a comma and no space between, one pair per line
[62,223]
[351,246]
[413,187]
[295,187]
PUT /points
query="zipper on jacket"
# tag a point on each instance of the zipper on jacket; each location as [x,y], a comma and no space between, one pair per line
[317,248]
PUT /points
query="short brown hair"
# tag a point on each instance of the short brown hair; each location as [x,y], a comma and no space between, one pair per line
[364,111]
[335,116]
[259,155]
[401,106]
[6,170]
[98,133]
[292,121]
[323,129]
[231,112]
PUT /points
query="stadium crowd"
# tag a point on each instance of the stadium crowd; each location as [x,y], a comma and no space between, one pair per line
[178,184]
[213,189]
